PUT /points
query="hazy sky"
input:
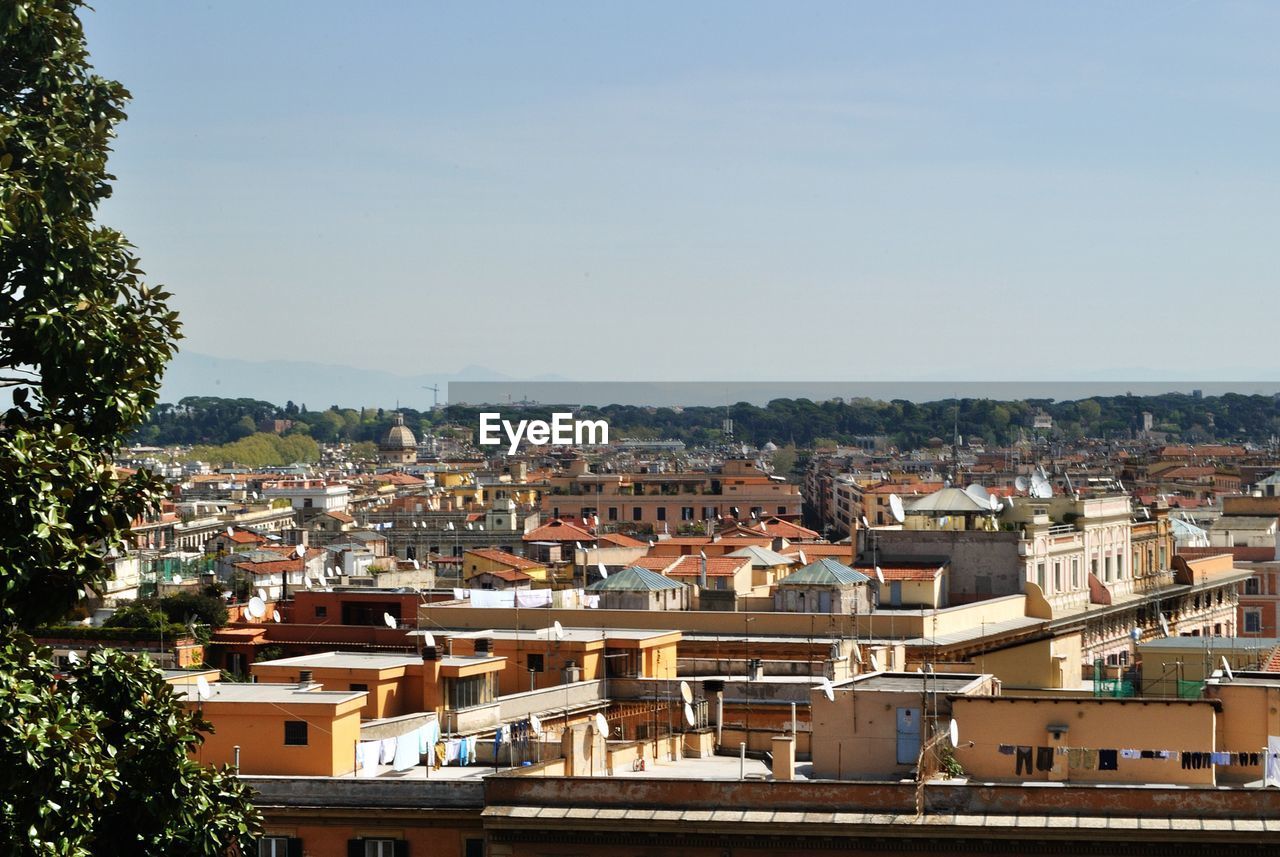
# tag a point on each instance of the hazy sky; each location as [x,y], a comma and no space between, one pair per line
[707,190]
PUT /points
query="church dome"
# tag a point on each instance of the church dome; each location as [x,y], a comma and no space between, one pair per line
[399,437]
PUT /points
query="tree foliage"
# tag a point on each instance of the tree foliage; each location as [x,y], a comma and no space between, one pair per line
[96,763]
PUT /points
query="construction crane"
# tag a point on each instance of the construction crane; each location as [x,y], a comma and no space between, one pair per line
[435,395]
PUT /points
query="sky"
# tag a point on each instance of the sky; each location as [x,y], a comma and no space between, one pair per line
[688,191]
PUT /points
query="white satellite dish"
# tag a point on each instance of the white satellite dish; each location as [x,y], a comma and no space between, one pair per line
[604,572]
[828,690]
[602,725]
[1226,668]
[895,508]
[262,593]
[413,524]
[803,559]
[875,664]
[879,576]
[1164,625]
[257,608]
[202,687]
[686,692]
[177,580]
[1021,483]
[390,620]
[300,550]
[865,524]
[994,502]
[954,733]
[229,532]
[534,723]
[73,658]
[977,493]
[557,629]
[416,566]
[428,639]
[275,616]
[688,714]
[857,653]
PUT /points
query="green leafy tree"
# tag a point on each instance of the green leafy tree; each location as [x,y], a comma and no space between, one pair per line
[97,763]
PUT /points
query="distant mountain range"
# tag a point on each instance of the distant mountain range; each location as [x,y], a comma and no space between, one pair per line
[316,385]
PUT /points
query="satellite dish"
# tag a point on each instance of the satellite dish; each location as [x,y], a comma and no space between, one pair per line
[895,507]
[416,566]
[977,493]
[558,629]
[428,639]
[994,502]
[1021,483]
[688,715]
[604,572]
[1164,625]
[202,687]
[875,664]
[534,723]
[602,725]
[827,689]
[857,653]
[803,560]
[257,608]
[413,524]
[954,733]
[879,576]
[262,593]
[73,658]
[390,620]
[229,532]
[865,524]
[686,692]
[1226,668]
[275,615]
[177,580]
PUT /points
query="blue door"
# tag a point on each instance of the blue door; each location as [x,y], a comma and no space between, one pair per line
[908,735]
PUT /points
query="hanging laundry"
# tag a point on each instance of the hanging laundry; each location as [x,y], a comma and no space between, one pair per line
[1023,758]
[388,754]
[1107,760]
[439,755]
[1075,757]
[406,755]
[367,753]
[1044,758]
[1130,754]
[1005,749]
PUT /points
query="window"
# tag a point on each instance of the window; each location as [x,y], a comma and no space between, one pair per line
[279,846]
[322,612]
[662,513]
[1057,576]
[1253,621]
[473,848]
[535,663]
[1251,586]
[1040,575]
[686,513]
[1075,573]
[295,733]
[637,514]
[782,510]
[613,513]
[1107,567]
[377,848]
[356,686]
[1093,567]
[1163,557]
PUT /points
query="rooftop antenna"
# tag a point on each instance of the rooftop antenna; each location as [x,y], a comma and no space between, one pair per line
[896,509]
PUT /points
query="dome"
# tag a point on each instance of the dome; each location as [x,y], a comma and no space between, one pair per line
[399,436]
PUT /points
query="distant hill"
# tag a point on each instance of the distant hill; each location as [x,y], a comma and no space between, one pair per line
[315,384]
